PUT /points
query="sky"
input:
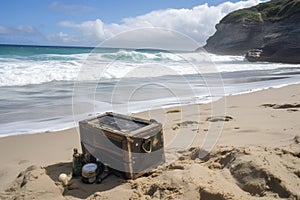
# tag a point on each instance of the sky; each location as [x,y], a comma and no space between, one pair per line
[89,22]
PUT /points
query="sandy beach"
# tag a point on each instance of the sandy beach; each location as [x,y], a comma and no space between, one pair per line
[256,156]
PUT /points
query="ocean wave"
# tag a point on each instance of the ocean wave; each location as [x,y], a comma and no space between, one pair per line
[138,56]
[18,73]
[19,70]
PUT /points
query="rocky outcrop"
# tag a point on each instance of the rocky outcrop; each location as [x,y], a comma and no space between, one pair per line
[277,38]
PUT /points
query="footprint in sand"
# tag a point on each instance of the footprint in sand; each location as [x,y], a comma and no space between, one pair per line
[219,118]
[184,124]
[289,107]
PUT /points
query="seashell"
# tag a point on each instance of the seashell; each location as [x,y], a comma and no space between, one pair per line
[64,178]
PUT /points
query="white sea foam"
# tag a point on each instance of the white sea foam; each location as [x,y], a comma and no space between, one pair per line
[43,68]
[25,71]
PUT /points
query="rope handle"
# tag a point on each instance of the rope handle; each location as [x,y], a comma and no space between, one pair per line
[147,145]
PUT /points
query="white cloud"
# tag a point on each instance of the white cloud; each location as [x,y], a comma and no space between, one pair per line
[88,29]
[197,23]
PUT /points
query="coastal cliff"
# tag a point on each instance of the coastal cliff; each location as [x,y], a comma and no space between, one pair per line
[269,31]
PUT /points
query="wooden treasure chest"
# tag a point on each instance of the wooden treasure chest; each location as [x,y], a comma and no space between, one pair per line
[130,146]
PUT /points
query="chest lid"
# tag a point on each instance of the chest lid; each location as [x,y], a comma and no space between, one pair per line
[122,124]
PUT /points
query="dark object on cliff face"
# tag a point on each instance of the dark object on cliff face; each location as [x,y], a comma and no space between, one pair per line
[273,27]
[253,55]
[288,55]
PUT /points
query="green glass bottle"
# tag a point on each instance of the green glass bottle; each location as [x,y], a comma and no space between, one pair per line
[77,163]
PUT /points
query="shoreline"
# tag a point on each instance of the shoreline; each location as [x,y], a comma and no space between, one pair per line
[265,119]
[141,111]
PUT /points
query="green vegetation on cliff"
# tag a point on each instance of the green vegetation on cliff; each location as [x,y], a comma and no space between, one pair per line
[272,11]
